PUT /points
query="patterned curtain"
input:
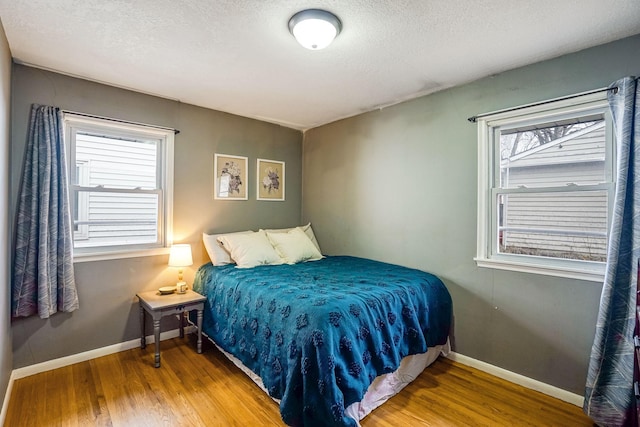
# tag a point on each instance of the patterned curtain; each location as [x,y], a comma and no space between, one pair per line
[43,279]
[609,395]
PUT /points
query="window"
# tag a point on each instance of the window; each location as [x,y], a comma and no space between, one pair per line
[121,180]
[545,188]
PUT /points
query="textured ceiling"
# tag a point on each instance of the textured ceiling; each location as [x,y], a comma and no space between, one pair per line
[238,56]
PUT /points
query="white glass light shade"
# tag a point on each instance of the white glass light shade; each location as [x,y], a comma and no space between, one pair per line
[314,29]
[180,256]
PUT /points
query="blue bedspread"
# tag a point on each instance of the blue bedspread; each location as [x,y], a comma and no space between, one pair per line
[318,333]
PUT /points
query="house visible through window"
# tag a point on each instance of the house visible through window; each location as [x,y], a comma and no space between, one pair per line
[121,181]
[546,188]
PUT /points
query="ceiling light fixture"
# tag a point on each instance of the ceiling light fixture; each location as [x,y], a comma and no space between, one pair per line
[314,28]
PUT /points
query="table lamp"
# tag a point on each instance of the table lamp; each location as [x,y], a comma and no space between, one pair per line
[180,256]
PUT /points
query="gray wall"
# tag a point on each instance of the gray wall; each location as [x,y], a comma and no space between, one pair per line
[399,185]
[108,309]
[6,362]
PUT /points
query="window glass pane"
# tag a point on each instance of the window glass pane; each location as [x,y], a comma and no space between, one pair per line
[570,225]
[553,155]
[117,163]
[116,218]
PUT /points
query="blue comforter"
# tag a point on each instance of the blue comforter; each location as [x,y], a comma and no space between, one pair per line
[318,333]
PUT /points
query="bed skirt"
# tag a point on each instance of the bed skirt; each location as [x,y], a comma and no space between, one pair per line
[381,389]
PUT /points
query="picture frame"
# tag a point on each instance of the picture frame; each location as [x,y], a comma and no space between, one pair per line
[270,180]
[230,176]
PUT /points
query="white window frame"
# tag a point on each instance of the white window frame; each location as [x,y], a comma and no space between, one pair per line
[82,170]
[488,129]
[74,123]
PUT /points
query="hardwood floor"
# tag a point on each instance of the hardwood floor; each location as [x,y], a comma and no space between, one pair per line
[124,389]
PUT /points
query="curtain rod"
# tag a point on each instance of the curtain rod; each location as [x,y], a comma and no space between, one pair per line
[93,116]
[473,119]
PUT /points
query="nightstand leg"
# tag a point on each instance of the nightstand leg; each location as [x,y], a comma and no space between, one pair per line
[181,320]
[143,339]
[199,331]
[156,335]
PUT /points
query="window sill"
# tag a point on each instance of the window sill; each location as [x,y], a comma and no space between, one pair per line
[104,256]
[593,272]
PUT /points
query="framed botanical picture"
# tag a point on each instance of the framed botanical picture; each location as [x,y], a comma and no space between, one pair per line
[270,185]
[230,177]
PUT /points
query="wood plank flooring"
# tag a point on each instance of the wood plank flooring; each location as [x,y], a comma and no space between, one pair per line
[124,389]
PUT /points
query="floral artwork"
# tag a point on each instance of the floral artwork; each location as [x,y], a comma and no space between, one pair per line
[271,182]
[270,185]
[230,177]
[232,169]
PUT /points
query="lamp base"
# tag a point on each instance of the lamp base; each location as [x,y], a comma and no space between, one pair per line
[181,287]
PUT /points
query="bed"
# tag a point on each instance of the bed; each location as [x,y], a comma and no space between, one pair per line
[320,336]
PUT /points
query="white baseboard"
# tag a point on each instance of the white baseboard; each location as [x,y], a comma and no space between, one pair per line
[527,382]
[37,368]
[88,355]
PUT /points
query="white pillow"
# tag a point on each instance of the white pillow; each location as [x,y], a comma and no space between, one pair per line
[250,250]
[307,230]
[294,246]
[217,253]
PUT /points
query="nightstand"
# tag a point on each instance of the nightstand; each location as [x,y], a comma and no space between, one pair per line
[158,306]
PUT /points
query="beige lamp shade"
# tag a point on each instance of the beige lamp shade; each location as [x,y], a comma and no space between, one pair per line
[180,256]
